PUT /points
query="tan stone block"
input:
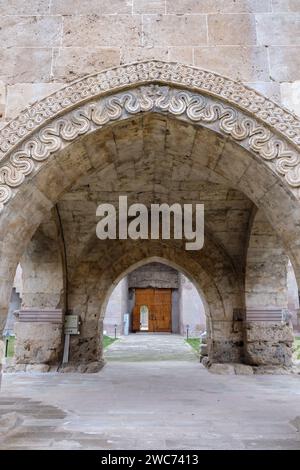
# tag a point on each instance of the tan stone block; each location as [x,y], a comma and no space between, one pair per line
[21,7]
[37,368]
[75,62]
[284,63]
[233,162]
[2,351]
[278,29]
[73,161]
[183,55]
[218,6]
[37,343]
[2,100]
[22,95]
[135,54]
[257,180]
[236,62]
[243,369]
[231,30]
[172,30]
[290,96]
[149,6]
[222,369]
[286,5]
[90,7]
[102,31]
[30,31]
[269,89]
[25,65]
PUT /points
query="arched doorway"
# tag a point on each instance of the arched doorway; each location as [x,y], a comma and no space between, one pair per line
[197,134]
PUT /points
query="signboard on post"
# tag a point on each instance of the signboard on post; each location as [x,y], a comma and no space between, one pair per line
[72,325]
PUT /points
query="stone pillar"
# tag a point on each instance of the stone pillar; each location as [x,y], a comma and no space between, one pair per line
[225,341]
[268,336]
[2,352]
[86,348]
[268,343]
[38,343]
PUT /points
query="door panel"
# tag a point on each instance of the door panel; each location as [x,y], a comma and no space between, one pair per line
[159,303]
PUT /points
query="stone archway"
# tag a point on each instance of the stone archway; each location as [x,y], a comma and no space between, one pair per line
[98,276]
[45,150]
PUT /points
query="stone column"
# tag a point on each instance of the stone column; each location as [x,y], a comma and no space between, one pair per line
[39,327]
[268,334]
[86,348]
[38,343]
[225,341]
[268,343]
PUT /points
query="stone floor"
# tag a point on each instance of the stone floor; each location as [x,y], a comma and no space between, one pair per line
[150,347]
[144,404]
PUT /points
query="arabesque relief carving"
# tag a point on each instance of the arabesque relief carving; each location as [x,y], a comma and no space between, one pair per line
[46,127]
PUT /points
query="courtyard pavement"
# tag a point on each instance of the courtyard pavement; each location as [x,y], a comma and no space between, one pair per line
[145,398]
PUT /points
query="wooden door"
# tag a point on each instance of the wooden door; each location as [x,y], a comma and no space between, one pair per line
[158,305]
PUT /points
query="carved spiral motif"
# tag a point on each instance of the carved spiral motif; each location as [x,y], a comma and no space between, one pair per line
[198,108]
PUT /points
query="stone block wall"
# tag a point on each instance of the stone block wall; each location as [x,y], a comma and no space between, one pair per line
[156,275]
[116,307]
[192,311]
[46,43]
[38,343]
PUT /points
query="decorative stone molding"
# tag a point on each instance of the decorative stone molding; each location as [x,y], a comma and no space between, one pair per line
[270,131]
[40,316]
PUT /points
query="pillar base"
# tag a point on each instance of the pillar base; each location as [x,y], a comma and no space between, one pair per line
[83,368]
[268,344]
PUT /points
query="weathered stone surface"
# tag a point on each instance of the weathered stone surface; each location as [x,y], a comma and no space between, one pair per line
[268,353]
[93,7]
[225,351]
[37,368]
[222,369]
[37,343]
[21,95]
[19,368]
[2,100]
[243,369]
[2,350]
[184,55]
[90,368]
[101,31]
[290,95]
[149,6]
[274,370]
[231,30]
[30,31]
[171,30]
[205,361]
[19,65]
[135,54]
[280,30]
[285,6]
[284,63]
[239,62]
[218,6]
[263,331]
[269,89]
[70,63]
[19,7]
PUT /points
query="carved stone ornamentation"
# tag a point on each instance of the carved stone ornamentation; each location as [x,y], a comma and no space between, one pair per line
[198,96]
